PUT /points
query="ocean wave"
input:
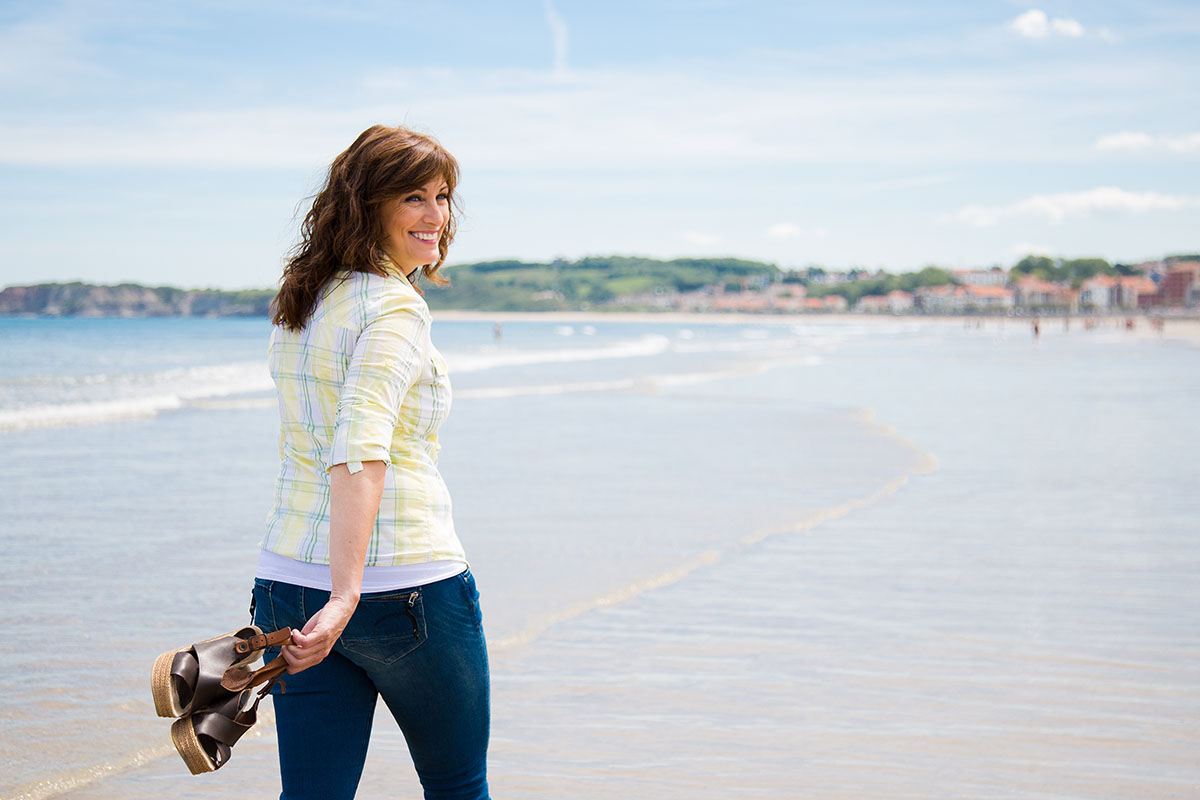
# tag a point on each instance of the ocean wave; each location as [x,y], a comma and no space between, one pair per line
[89,399]
[48,402]
[648,345]
[542,390]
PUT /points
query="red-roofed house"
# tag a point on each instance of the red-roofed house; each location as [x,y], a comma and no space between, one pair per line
[1133,288]
[787,296]
[1031,292]
[872,303]
[741,301]
[900,301]
[988,298]
[946,299]
[1100,292]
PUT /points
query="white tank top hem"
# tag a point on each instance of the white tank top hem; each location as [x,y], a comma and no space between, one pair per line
[274,567]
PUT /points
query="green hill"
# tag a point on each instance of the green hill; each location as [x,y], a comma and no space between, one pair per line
[586,283]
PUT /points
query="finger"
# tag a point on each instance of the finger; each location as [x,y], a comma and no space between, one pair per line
[313,622]
[311,660]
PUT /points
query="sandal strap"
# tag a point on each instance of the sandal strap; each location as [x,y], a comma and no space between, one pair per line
[215,725]
[184,671]
[217,729]
[236,680]
[262,641]
[212,659]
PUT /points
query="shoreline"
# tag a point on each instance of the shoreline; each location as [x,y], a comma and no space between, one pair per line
[1181,329]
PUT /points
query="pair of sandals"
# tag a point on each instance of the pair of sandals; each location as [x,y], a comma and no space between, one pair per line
[209,686]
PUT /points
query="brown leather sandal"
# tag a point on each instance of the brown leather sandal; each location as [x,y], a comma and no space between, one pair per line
[204,738]
[189,678]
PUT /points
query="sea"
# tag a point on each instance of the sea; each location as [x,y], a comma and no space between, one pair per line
[777,557]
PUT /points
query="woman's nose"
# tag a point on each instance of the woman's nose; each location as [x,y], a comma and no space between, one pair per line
[434,212]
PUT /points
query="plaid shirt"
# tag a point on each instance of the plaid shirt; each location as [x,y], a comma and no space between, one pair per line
[362,382]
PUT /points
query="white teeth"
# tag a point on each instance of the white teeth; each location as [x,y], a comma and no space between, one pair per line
[426,237]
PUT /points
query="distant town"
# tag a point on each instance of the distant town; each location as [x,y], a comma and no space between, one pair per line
[1036,285]
[1027,288]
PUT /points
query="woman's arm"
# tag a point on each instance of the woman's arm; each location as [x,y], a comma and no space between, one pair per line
[353,506]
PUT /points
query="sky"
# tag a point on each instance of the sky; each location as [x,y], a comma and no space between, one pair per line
[176,143]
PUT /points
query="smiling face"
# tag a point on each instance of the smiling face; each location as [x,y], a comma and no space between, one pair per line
[413,225]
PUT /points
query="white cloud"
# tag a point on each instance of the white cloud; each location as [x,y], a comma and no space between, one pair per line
[1034,24]
[558,29]
[686,118]
[1126,140]
[701,239]
[1057,207]
[266,137]
[1183,144]
[788,230]
[1067,27]
[649,119]
[1138,140]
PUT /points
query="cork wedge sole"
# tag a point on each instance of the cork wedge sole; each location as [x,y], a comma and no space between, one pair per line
[206,738]
[166,700]
[187,743]
[163,686]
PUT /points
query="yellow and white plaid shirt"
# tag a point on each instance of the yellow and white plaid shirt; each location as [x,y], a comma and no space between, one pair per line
[362,382]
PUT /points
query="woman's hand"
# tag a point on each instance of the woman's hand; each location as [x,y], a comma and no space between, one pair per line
[353,506]
[310,646]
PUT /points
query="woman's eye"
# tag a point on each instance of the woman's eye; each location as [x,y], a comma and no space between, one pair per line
[443,197]
[413,198]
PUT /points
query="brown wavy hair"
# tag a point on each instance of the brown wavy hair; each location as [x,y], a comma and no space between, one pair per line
[344,228]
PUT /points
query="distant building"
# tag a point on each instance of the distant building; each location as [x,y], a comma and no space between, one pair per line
[1154,270]
[872,304]
[835,302]
[981,277]
[747,302]
[1100,292]
[952,299]
[947,299]
[900,301]
[829,278]
[1177,286]
[1031,292]
[787,297]
[988,297]
[1131,288]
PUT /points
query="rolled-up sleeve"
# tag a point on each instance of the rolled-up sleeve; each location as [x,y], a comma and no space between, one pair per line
[387,360]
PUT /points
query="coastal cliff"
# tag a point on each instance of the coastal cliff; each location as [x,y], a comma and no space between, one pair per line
[131,300]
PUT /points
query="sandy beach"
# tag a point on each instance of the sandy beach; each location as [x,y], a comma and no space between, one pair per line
[1176,328]
[820,557]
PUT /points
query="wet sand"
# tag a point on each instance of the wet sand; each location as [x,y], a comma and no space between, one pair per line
[992,601]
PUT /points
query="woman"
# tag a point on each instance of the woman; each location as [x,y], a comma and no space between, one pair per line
[361,557]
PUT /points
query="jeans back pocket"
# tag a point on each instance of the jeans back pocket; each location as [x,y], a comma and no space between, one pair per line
[385,627]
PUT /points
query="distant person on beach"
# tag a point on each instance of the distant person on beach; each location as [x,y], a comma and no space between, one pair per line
[361,557]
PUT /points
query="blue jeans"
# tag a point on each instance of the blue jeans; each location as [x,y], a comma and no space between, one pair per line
[423,650]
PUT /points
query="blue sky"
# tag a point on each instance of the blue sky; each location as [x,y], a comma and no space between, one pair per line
[173,143]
